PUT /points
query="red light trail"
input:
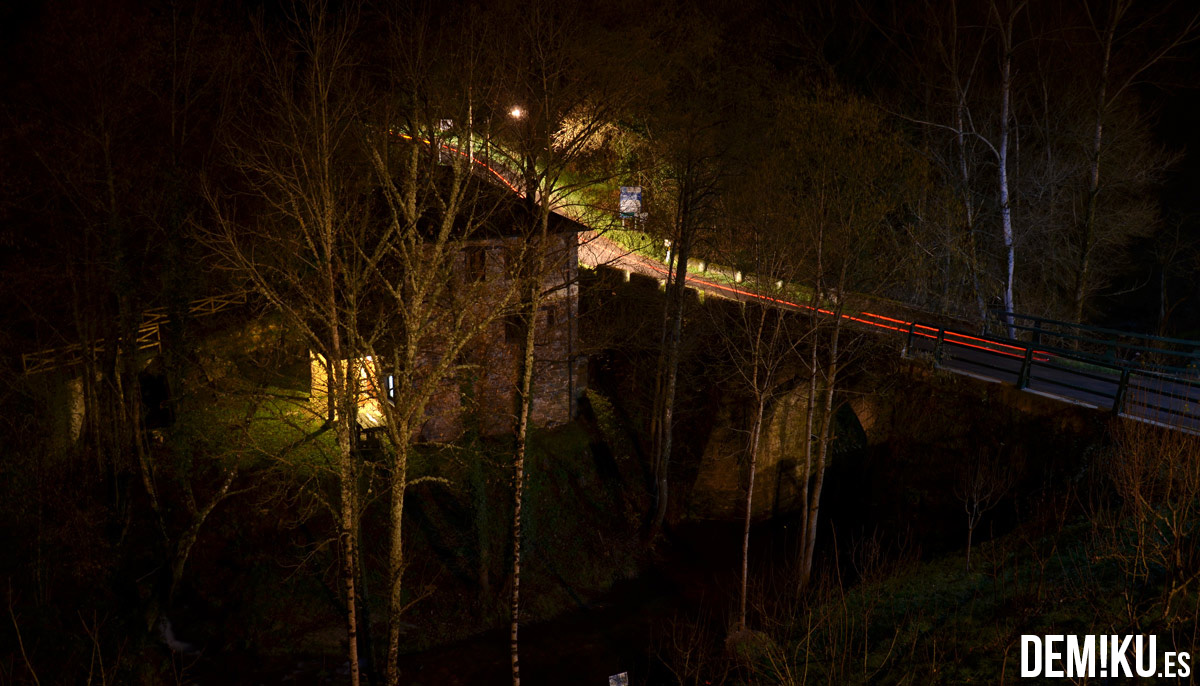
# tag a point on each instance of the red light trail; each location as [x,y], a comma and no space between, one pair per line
[898,325]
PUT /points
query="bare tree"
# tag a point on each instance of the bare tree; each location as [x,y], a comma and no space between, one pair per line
[959,50]
[961,162]
[1114,79]
[847,175]
[1156,473]
[761,336]
[694,175]
[692,151]
[759,345]
[433,305]
[1005,19]
[297,237]
[1033,143]
[112,135]
[566,87]
[984,482]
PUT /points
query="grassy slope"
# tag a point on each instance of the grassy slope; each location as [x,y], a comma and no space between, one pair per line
[936,622]
[581,530]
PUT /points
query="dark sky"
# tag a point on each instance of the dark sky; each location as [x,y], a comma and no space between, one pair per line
[868,46]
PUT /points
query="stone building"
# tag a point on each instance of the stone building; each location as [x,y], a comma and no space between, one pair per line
[560,373]
[483,397]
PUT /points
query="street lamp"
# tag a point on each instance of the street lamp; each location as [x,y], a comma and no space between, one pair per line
[516,112]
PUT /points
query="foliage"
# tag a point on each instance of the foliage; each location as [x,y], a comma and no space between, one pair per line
[638,242]
[1119,559]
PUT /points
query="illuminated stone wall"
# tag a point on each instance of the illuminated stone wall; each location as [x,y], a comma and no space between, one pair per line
[488,389]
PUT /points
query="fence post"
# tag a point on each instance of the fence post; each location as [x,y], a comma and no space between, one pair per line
[1026,368]
[937,347]
[1122,389]
[908,343]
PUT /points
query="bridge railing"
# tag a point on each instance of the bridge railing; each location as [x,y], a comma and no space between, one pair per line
[1165,397]
[1108,346]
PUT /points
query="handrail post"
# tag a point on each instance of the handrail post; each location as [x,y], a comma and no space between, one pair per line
[937,347]
[1122,389]
[1026,368]
[908,343]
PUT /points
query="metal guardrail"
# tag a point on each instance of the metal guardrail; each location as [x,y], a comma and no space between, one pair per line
[1107,346]
[1171,397]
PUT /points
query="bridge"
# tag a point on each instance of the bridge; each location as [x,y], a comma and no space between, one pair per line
[1147,378]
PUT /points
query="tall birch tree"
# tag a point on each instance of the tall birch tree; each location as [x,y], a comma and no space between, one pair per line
[295,236]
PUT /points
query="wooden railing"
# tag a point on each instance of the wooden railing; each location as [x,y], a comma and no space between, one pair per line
[149,335]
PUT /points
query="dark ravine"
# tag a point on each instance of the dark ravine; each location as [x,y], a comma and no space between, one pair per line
[896,494]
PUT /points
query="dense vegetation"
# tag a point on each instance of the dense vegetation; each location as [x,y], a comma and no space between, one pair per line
[207,206]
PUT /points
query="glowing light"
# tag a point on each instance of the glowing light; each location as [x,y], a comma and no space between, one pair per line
[516,113]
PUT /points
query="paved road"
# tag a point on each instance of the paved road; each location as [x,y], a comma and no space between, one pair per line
[1149,396]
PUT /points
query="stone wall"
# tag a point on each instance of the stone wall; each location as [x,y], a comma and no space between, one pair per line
[557,380]
[483,397]
[917,405]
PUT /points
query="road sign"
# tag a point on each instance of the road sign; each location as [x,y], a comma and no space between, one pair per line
[631,201]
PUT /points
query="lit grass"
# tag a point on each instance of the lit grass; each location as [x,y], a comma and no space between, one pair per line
[253,429]
[638,243]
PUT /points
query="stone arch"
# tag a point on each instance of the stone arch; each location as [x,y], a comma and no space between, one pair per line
[719,489]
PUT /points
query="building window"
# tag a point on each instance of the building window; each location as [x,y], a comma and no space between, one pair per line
[514,329]
[476,264]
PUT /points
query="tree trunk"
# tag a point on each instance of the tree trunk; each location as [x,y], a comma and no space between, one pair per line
[346,474]
[1083,269]
[526,407]
[676,287]
[399,486]
[753,454]
[183,548]
[810,411]
[969,209]
[341,414]
[1002,162]
[365,641]
[814,501]
[970,534]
